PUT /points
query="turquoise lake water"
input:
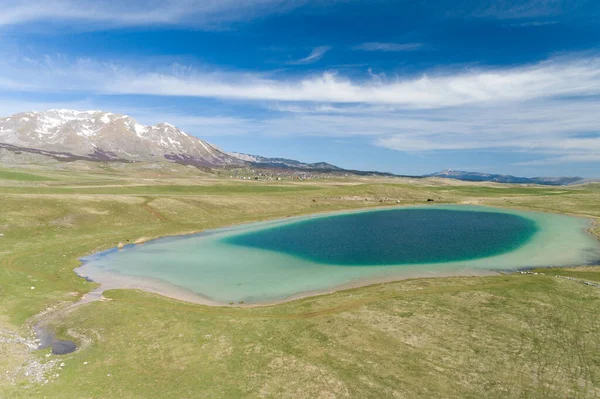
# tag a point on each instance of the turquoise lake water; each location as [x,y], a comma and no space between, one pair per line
[396,237]
[270,261]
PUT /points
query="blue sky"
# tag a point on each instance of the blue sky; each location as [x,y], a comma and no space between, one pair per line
[409,87]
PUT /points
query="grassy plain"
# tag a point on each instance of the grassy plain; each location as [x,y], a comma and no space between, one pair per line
[501,336]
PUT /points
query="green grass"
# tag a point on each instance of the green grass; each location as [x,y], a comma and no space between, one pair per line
[161,189]
[468,337]
[508,191]
[20,176]
[514,336]
[589,273]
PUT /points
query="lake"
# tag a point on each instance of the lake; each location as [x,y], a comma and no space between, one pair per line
[272,261]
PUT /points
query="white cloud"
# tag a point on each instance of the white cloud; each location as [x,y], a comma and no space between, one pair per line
[573,158]
[511,9]
[540,126]
[107,13]
[315,55]
[550,109]
[389,47]
[91,14]
[530,24]
[553,78]
[10,106]
[545,129]
[199,125]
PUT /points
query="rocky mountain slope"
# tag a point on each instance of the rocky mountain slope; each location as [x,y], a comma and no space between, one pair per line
[69,135]
[106,136]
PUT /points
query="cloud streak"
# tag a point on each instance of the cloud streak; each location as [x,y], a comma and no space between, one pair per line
[575,158]
[388,47]
[212,13]
[112,13]
[508,9]
[542,127]
[549,79]
[315,55]
[550,109]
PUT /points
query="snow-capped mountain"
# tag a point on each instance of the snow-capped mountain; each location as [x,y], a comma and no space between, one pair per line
[108,136]
[69,135]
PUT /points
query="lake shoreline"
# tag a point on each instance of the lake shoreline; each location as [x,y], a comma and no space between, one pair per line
[114,280]
[279,219]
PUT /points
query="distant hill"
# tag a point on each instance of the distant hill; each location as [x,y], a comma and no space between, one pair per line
[69,135]
[283,162]
[475,176]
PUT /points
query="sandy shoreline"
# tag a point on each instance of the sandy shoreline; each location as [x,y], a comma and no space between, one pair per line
[113,281]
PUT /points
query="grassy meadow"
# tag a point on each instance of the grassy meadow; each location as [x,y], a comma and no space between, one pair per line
[529,336]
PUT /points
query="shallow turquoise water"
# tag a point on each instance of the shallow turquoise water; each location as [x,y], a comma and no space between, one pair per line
[270,261]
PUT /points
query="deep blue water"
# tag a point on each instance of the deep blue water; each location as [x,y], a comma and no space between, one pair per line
[269,261]
[393,237]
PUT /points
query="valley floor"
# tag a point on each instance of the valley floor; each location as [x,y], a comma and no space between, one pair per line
[518,335]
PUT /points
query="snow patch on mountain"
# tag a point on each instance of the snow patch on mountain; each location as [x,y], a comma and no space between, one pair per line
[119,136]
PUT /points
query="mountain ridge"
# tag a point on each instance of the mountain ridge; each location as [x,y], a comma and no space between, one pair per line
[114,136]
[283,162]
[499,178]
[95,135]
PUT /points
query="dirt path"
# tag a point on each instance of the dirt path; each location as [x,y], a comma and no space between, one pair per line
[154,212]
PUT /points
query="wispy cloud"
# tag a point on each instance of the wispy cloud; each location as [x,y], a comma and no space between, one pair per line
[516,9]
[543,127]
[552,78]
[551,108]
[389,47]
[315,55]
[573,158]
[107,13]
[531,24]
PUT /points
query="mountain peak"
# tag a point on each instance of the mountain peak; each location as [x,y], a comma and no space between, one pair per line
[85,133]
